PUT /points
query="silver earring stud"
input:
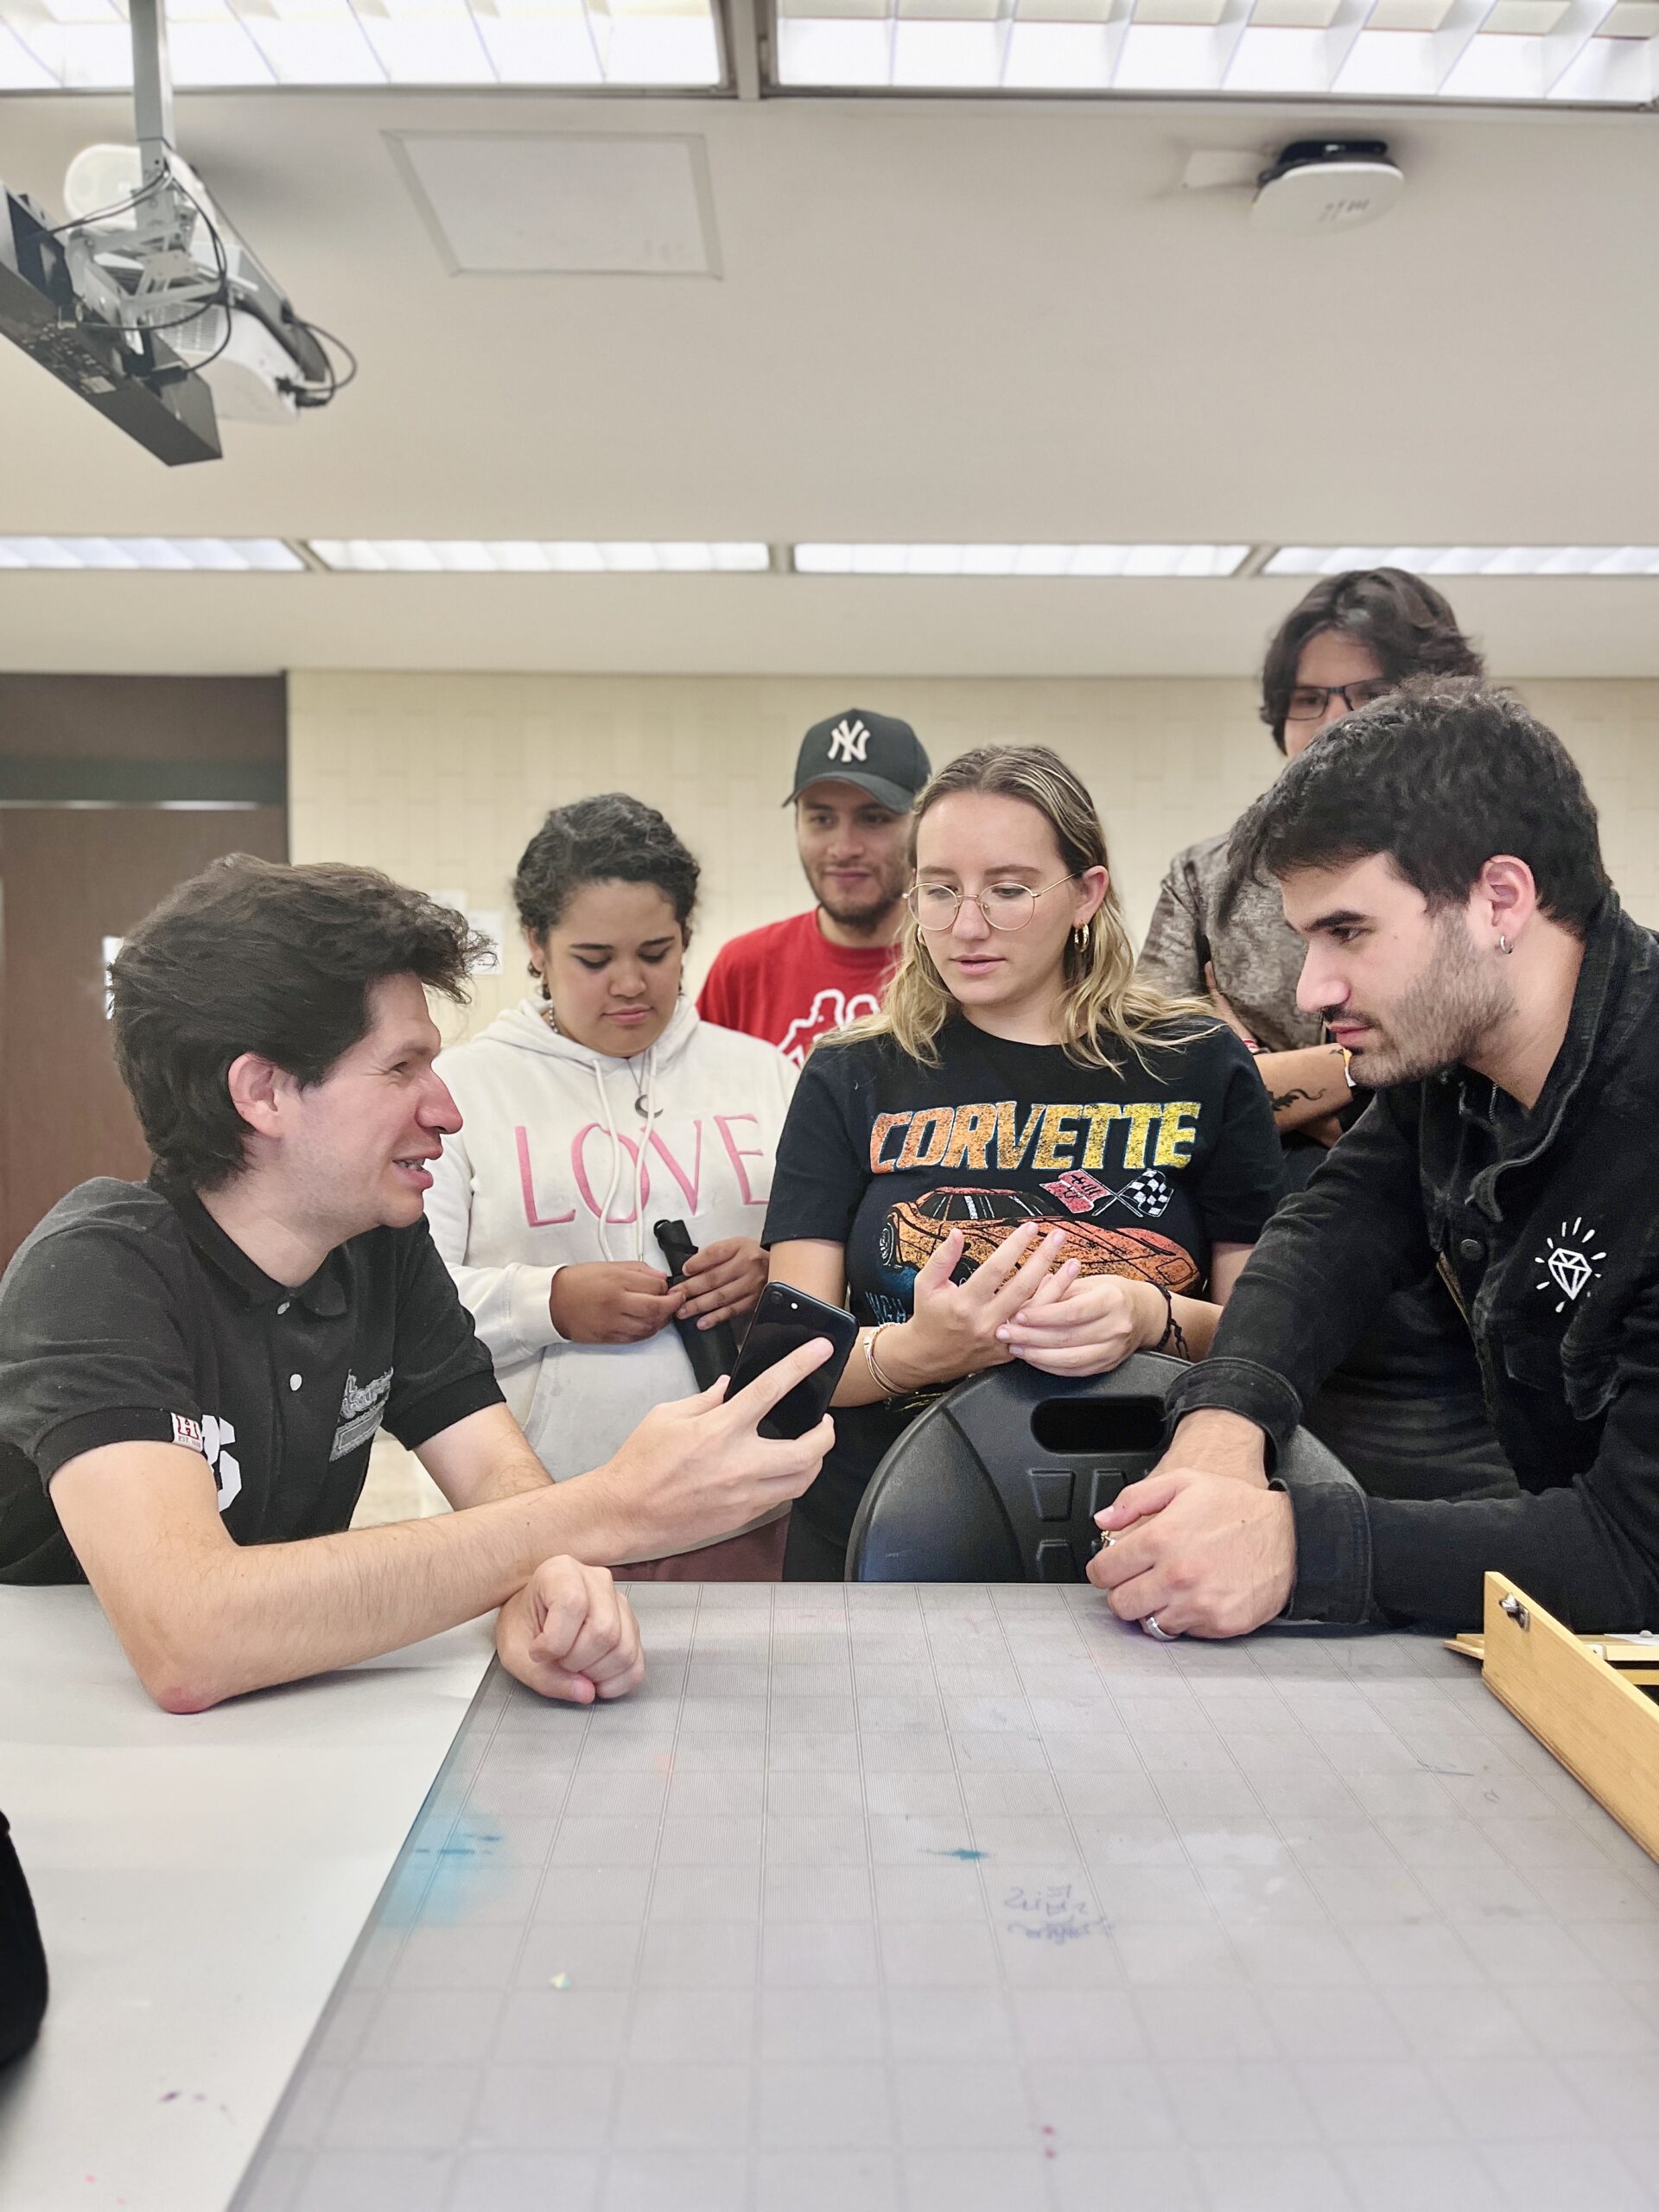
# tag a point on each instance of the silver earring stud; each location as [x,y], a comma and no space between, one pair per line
[1504,944]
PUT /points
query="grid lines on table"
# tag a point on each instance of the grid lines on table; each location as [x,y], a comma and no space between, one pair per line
[901,1899]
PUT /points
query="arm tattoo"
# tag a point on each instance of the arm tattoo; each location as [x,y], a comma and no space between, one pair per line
[1279,1099]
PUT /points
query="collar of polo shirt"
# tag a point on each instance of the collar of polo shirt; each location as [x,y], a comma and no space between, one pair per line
[323,1294]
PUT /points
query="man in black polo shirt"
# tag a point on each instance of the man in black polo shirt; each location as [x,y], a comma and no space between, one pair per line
[1438,854]
[192,1368]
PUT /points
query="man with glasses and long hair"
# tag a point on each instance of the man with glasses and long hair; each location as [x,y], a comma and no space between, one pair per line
[1027,1153]
[1405,1412]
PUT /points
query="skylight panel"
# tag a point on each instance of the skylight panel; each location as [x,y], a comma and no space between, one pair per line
[1467,560]
[85,45]
[1530,52]
[535,557]
[227,555]
[999,560]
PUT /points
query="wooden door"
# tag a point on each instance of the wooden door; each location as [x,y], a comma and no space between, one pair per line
[70,877]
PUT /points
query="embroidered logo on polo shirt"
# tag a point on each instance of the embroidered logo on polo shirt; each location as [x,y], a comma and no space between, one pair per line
[362,1410]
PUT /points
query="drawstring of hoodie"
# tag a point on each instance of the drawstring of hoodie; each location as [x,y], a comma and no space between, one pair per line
[644,1102]
[645,1106]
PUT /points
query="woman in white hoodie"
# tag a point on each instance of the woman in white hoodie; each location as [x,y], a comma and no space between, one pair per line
[593,1110]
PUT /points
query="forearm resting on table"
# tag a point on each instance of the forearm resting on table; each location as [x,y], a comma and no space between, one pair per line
[1306,1085]
[203,1618]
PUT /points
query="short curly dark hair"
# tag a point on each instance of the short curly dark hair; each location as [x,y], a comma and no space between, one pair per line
[254,957]
[1441,777]
[1402,620]
[612,838]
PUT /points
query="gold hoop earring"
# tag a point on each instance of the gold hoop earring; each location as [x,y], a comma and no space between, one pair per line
[1080,936]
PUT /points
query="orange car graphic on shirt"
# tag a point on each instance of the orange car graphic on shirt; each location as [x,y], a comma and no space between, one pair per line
[914,1230]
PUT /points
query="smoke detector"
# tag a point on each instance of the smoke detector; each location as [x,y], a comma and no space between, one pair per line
[1318,184]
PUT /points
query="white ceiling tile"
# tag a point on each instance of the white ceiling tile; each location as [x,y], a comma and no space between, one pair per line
[523,203]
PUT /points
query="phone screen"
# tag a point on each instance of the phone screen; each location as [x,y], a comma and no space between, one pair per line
[784,1320]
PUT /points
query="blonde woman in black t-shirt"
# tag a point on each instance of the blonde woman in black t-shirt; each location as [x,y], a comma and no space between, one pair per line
[1027,1153]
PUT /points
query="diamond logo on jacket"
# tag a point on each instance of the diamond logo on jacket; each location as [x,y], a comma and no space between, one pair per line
[1569,1267]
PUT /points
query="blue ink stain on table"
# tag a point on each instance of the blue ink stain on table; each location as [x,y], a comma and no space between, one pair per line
[441,1882]
[960,1851]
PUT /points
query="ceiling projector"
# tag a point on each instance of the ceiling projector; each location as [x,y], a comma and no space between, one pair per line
[145,301]
[1326,184]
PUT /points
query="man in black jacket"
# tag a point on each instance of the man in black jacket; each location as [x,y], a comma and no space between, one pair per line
[1438,853]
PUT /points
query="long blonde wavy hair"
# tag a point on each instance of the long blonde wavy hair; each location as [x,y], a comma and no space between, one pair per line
[1101,1002]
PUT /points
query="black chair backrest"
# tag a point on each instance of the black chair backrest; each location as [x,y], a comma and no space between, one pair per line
[23,1963]
[1000,1480]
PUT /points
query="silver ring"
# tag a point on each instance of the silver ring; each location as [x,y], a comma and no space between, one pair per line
[1159,1635]
[1107,1538]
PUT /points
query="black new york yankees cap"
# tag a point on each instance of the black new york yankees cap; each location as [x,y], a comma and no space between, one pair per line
[878,752]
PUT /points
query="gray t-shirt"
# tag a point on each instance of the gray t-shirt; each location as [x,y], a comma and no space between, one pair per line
[1257,955]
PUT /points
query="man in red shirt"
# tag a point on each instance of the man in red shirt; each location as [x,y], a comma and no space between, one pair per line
[856,778]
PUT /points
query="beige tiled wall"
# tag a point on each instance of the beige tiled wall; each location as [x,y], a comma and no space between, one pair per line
[440,780]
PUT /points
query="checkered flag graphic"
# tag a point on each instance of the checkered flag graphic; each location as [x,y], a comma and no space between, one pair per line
[1147,1195]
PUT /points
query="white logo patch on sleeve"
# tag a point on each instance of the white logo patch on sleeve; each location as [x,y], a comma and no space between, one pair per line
[361,1411]
[217,1437]
[212,1438]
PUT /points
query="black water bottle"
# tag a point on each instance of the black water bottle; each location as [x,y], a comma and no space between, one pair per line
[712,1352]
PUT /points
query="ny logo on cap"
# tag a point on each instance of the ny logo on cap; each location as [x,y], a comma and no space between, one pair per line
[849,741]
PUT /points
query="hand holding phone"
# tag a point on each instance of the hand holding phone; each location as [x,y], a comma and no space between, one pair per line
[697,1469]
[785,1319]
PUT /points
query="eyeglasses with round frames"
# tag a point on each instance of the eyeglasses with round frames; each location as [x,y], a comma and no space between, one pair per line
[1308,701]
[1005,906]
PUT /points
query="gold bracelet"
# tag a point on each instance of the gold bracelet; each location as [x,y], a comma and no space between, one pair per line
[883,1383]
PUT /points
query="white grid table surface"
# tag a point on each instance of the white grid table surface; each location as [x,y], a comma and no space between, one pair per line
[961,1899]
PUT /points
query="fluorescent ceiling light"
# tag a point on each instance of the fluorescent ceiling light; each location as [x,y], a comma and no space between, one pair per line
[1529,51]
[678,556]
[1467,560]
[533,557]
[224,554]
[85,45]
[1019,560]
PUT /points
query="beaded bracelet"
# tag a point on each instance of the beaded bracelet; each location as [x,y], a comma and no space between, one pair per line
[1171,1327]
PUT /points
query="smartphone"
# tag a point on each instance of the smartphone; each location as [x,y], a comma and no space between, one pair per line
[783,1320]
